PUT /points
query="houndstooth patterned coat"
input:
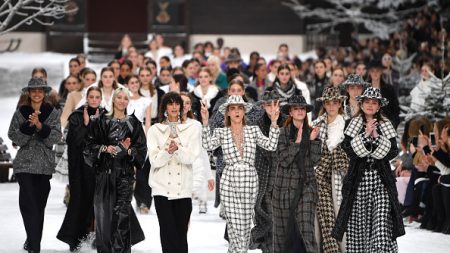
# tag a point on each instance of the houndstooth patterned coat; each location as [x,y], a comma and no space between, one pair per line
[294,191]
[369,167]
[239,182]
[330,172]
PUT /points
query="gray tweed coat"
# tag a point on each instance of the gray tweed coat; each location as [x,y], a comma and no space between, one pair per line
[36,155]
[295,190]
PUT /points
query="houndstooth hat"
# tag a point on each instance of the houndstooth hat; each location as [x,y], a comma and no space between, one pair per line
[234,100]
[296,100]
[373,93]
[355,79]
[331,93]
[36,83]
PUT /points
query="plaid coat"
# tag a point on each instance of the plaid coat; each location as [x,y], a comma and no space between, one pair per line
[295,190]
[261,235]
[362,155]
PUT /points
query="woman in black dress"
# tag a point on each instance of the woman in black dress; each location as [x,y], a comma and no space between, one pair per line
[80,212]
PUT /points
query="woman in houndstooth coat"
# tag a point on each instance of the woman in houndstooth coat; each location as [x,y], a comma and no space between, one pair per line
[332,167]
[370,211]
[294,196]
[239,182]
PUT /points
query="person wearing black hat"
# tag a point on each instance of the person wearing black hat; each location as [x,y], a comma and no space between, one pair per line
[261,235]
[35,128]
[294,196]
[370,213]
[392,110]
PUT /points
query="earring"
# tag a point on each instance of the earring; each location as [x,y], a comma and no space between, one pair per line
[165,114]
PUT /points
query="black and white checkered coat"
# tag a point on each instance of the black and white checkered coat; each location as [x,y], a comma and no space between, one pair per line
[294,190]
[368,155]
[217,121]
[239,182]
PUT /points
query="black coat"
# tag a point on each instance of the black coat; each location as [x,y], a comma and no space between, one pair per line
[354,176]
[80,211]
[197,106]
[115,218]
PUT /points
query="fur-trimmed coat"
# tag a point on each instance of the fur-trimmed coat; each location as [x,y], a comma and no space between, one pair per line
[362,154]
[36,155]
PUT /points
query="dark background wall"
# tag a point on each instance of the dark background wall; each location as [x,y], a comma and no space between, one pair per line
[243,17]
[117,16]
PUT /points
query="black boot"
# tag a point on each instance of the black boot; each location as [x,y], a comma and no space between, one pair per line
[446,201]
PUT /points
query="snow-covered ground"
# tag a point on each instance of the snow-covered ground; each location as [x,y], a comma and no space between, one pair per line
[205,232]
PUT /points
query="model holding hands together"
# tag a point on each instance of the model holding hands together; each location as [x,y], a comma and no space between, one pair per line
[370,211]
[239,182]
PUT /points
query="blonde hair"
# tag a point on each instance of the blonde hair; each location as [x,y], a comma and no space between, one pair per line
[214,59]
[116,92]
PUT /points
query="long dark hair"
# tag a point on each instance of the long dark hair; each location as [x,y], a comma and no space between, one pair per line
[289,120]
[100,83]
[151,87]
[169,97]
[379,116]
[280,68]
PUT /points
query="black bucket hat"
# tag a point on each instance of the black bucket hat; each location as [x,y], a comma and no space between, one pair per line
[296,100]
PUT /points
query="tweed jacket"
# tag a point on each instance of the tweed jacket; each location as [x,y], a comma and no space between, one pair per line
[295,185]
[365,154]
[217,121]
[171,175]
[36,155]
[252,137]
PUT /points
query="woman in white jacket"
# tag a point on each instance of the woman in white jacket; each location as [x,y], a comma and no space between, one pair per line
[173,146]
[203,179]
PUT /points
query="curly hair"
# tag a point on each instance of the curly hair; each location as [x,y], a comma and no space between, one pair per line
[168,98]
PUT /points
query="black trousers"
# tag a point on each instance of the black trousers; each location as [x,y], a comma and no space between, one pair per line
[142,191]
[173,218]
[33,195]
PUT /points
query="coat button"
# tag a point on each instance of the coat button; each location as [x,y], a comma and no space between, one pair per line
[168,193]
[170,173]
[178,173]
[178,194]
[178,164]
[179,183]
[169,183]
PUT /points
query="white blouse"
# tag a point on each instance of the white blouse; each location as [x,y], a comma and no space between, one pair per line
[138,107]
[335,132]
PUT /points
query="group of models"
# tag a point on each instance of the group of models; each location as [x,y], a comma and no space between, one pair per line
[311,183]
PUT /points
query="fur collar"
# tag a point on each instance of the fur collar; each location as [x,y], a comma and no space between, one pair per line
[210,94]
[46,109]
